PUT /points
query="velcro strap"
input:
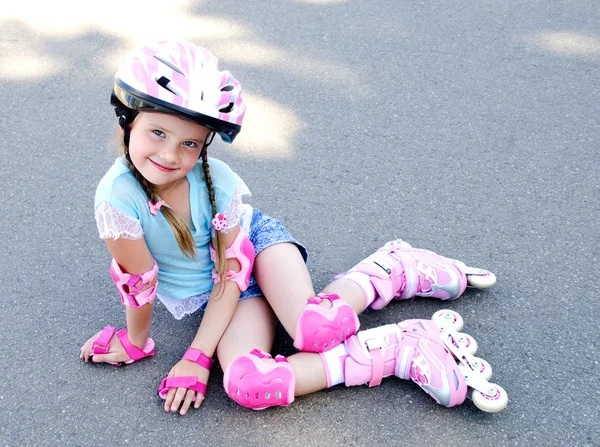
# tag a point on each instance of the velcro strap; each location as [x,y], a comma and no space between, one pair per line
[331,297]
[377,369]
[260,354]
[132,351]
[189,382]
[133,297]
[101,344]
[375,346]
[239,278]
[405,355]
[198,357]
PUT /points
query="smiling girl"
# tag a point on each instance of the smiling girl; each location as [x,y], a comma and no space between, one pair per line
[175,224]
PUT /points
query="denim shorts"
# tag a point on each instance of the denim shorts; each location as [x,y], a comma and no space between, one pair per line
[264,232]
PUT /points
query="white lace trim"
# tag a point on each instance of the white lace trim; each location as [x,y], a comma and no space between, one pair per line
[113,223]
[235,210]
[187,306]
[246,217]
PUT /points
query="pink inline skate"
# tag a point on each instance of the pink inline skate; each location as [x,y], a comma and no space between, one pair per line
[399,271]
[426,352]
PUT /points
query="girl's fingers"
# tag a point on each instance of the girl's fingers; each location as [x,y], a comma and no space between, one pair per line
[170,394]
[112,357]
[170,398]
[199,400]
[85,353]
[179,396]
[189,396]
[86,350]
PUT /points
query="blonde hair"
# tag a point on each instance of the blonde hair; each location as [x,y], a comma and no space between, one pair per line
[182,233]
[219,246]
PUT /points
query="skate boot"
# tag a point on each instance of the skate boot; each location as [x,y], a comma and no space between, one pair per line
[399,271]
[411,350]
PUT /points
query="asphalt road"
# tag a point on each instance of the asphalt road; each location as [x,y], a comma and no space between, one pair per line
[467,127]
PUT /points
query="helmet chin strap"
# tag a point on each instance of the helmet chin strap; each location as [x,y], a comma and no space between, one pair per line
[126,117]
[207,143]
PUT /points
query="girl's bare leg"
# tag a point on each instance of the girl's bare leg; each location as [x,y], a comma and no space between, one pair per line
[284,279]
[253,327]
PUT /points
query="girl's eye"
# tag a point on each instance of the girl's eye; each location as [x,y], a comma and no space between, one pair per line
[189,144]
[159,133]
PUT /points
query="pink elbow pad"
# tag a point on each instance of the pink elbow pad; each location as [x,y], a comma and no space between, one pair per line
[129,286]
[242,250]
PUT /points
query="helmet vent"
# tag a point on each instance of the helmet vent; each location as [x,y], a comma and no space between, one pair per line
[169,64]
[164,83]
[227,108]
[227,88]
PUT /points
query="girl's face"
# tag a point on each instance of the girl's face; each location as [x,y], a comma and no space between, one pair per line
[165,148]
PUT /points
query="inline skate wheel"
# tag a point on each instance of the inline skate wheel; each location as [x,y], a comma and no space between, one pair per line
[481,281]
[447,319]
[493,400]
[465,341]
[482,367]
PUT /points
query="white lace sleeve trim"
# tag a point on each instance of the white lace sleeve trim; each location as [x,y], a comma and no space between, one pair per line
[235,210]
[114,223]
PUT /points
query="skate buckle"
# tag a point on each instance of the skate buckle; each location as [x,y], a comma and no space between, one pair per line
[374,339]
[375,343]
[383,267]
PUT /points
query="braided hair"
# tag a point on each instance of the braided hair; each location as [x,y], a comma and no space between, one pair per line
[219,244]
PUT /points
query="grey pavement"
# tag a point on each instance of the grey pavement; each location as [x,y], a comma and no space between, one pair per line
[467,127]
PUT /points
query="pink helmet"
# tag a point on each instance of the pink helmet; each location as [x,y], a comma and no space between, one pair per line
[181,78]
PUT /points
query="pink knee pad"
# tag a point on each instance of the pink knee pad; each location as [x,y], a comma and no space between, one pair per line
[320,329]
[256,384]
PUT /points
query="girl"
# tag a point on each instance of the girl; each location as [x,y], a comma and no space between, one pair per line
[174,222]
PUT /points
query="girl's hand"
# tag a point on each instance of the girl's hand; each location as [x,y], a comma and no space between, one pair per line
[116,352]
[182,396]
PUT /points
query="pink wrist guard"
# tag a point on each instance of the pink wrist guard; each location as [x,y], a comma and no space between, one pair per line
[189,382]
[243,251]
[102,344]
[198,357]
[132,296]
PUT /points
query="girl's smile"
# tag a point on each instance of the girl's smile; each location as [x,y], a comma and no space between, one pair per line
[161,167]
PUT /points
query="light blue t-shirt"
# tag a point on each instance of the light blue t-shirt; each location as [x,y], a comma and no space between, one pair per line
[178,276]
